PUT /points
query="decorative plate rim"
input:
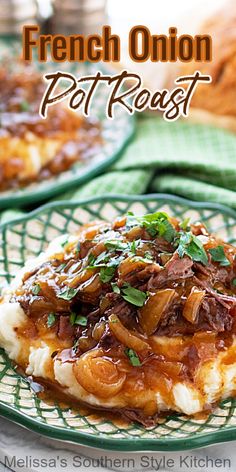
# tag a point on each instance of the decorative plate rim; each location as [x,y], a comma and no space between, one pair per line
[117,444]
[123,198]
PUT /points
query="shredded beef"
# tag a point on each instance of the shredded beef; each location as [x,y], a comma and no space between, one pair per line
[85,246]
[94,316]
[212,317]
[192,360]
[159,268]
[176,269]
[224,300]
[108,340]
[65,329]
[139,417]
[218,317]
[197,267]
[141,275]
[214,273]
[125,311]
[163,245]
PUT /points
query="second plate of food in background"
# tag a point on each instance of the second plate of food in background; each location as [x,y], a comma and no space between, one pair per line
[42,158]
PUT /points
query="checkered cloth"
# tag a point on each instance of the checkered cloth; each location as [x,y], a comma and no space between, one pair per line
[191,160]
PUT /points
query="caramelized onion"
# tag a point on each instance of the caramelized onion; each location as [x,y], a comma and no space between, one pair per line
[192,304]
[86,343]
[98,375]
[98,249]
[98,330]
[125,336]
[173,369]
[80,278]
[138,398]
[129,265]
[90,230]
[119,222]
[91,285]
[134,233]
[156,305]
[172,348]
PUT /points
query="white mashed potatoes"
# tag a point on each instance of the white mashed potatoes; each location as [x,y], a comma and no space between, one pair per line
[214,380]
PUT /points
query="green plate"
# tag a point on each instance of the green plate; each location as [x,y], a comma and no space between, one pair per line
[27,237]
[116,134]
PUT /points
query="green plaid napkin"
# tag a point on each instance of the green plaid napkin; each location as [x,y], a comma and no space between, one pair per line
[191,160]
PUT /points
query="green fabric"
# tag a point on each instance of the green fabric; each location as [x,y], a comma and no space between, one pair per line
[191,160]
[194,189]
[122,182]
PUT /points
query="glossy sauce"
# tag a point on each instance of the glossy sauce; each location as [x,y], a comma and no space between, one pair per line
[101,346]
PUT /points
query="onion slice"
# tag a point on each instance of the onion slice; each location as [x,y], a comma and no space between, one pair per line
[192,304]
[157,304]
[125,336]
[98,375]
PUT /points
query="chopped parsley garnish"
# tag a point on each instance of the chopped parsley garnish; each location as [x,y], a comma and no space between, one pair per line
[130,294]
[218,255]
[134,245]
[166,230]
[75,347]
[129,247]
[156,224]
[25,106]
[61,267]
[148,256]
[51,320]
[115,261]
[72,318]
[115,288]
[106,262]
[116,245]
[107,273]
[78,319]
[103,257]
[99,261]
[185,224]
[36,289]
[68,293]
[65,240]
[91,259]
[146,260]
[133,357]
[190,245]
[133,295]
[234,282]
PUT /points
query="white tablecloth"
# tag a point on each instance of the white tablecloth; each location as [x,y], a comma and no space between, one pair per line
[24,451]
